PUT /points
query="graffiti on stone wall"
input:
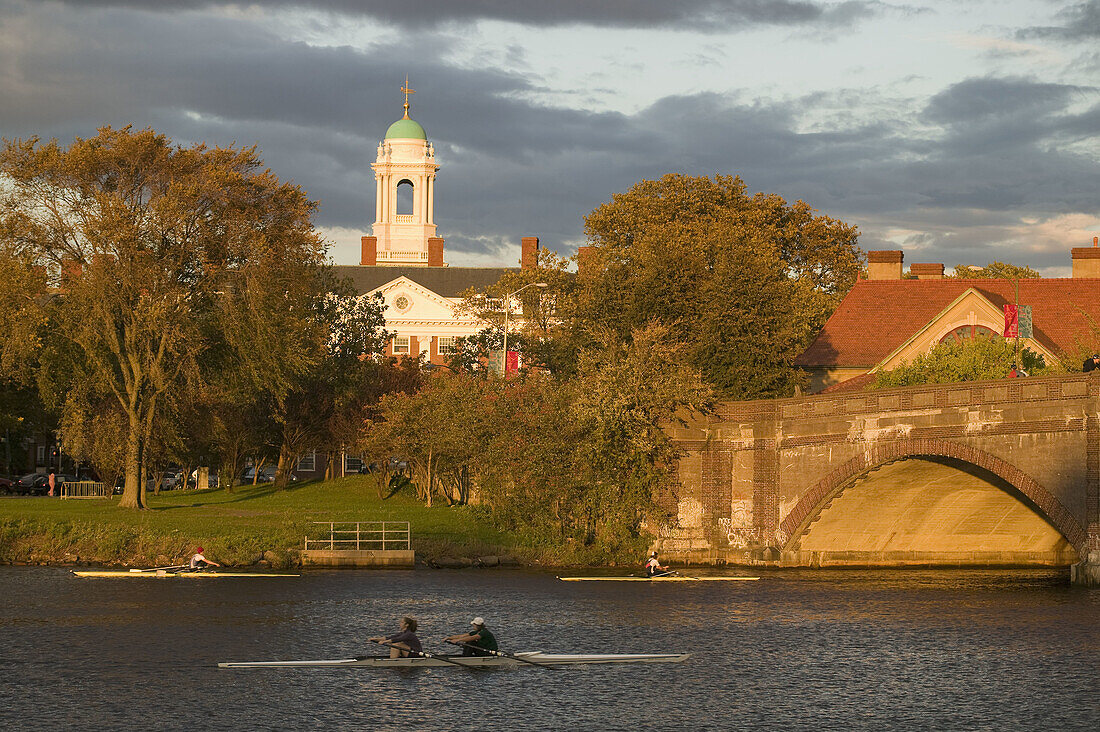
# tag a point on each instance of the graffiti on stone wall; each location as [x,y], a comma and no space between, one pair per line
[689,513]
[741,537]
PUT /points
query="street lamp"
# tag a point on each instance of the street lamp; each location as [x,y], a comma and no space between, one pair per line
[507,309]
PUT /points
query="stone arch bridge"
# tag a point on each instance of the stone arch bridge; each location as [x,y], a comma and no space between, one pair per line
[979,473]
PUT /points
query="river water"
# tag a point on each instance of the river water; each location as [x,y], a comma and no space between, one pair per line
[798,650]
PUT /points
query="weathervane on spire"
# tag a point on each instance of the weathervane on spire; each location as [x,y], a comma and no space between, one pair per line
[407,91]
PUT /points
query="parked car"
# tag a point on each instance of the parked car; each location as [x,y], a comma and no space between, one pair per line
[394,464]
[6,485]
[169,479]
[39,483]
[267,475]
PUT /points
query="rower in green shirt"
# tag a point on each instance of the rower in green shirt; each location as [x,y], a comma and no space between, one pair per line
[478,641]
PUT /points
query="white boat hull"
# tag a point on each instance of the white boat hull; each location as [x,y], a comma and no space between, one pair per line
[137,574]
[538,657]
[674,578]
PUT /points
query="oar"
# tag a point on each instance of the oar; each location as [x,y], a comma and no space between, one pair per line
[422,654]
[503,654]
[668,573]
[157,569]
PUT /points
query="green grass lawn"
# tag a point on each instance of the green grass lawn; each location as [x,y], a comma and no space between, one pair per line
[236,528]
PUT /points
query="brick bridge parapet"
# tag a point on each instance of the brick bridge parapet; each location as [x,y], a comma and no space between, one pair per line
[755,474]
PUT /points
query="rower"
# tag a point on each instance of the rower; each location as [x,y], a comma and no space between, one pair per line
[403,641]
[200,562]
[653,567]
[478,642]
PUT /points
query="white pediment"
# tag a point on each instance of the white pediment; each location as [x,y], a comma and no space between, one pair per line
[409,300]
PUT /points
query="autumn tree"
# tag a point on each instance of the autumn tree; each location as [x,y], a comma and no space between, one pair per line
[965,359]
[142,239]
[438,430]
[994,271]
[538,318]
[626,394]
[328,404]
[744,281]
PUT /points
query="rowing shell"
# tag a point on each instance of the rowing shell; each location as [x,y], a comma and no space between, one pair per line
[161,573]
[538,657]
[675,578]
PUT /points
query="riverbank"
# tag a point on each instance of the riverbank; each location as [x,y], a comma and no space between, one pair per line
[251,526]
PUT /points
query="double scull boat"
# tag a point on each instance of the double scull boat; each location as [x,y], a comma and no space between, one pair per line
[537,658]
[666,578]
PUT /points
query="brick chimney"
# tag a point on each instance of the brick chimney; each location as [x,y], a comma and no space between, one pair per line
[435,251]
[529,254]
[1086,260]
[884,264]
[369,257]
[926,271]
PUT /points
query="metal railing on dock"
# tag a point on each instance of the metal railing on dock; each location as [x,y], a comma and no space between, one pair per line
[363,535]
[86,489]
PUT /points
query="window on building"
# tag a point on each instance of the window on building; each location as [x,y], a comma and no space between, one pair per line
[41,455]
[405,198]
[969,331]
[353,464]
[401,344]
[308,463]
[446,345]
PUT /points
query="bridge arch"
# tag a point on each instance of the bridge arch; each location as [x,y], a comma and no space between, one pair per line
[878,454]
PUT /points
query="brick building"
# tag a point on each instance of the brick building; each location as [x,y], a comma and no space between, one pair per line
[885,319]
[403,259]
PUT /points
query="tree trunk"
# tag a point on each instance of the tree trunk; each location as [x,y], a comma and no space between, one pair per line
[143,482]
[131,493]
[282,469]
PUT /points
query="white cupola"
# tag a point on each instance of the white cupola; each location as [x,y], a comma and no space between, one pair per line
[404,172]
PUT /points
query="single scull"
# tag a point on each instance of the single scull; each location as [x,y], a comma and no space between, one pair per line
[160,573]
[543,659]
[673,578]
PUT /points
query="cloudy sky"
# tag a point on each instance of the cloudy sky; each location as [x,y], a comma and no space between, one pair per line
[960,131]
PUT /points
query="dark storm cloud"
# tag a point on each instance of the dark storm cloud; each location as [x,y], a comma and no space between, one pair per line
[700,16]
[976,100]
[1080,22]
[959,169]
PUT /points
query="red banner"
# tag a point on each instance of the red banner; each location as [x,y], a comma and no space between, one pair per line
[1012,322]
[512,361]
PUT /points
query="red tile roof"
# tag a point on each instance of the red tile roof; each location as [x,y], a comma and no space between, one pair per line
[878,316]
[856,383]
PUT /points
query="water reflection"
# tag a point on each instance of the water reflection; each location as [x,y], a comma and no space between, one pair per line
[797,650]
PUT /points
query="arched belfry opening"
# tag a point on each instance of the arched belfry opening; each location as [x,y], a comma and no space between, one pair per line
[404,230]
[405,197]
[930,510]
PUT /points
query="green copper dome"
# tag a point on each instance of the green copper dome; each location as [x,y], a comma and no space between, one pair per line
[407,129]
